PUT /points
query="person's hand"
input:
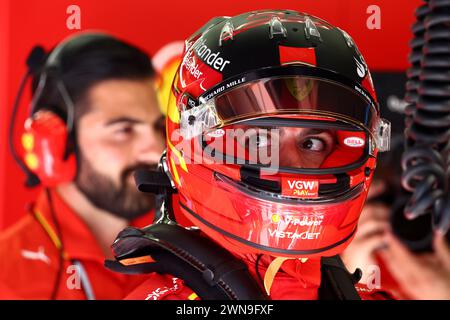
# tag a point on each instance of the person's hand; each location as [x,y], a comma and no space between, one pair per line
[372,227]
[420,276]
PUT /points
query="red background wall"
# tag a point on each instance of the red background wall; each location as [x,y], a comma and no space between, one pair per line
[151,24]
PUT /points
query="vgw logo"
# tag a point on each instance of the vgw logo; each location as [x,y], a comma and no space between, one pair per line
[300,188]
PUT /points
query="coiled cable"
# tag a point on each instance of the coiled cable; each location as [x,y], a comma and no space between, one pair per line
[425,161]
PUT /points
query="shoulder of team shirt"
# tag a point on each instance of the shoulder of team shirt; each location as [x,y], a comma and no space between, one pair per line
[25,249]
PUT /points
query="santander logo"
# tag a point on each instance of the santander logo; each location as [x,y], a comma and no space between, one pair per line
[354,142]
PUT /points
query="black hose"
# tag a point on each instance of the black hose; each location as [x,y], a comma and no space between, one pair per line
[425,162]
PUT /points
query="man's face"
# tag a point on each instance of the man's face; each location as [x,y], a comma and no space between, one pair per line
[122,130]
[283,146]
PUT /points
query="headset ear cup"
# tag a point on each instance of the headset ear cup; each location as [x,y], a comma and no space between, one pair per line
[44,143]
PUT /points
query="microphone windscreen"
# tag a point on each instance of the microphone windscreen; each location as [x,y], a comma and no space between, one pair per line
[36,58]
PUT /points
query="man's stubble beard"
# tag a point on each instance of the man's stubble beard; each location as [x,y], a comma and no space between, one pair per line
[123,201]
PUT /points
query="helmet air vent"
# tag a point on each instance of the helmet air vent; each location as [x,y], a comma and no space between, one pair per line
[226,33]
[276,28]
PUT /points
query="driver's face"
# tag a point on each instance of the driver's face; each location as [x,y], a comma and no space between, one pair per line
[297,147]
[305,147]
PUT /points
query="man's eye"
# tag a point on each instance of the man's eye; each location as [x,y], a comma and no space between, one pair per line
[161,127]
[313,144]
[124,130]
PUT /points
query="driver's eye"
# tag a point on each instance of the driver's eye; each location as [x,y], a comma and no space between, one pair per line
[313,144]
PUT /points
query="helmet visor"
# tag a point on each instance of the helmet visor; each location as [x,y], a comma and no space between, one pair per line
[284,96]
[293,94]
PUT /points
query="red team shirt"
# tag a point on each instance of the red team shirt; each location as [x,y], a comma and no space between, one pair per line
[29,261]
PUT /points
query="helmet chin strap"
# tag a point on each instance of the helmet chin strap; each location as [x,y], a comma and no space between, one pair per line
[273,269]
[271,272]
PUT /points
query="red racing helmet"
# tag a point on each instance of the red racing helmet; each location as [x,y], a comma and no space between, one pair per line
[273,131]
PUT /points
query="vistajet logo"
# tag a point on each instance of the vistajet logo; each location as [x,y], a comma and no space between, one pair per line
[300,188]
[306,235]
[213,59]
